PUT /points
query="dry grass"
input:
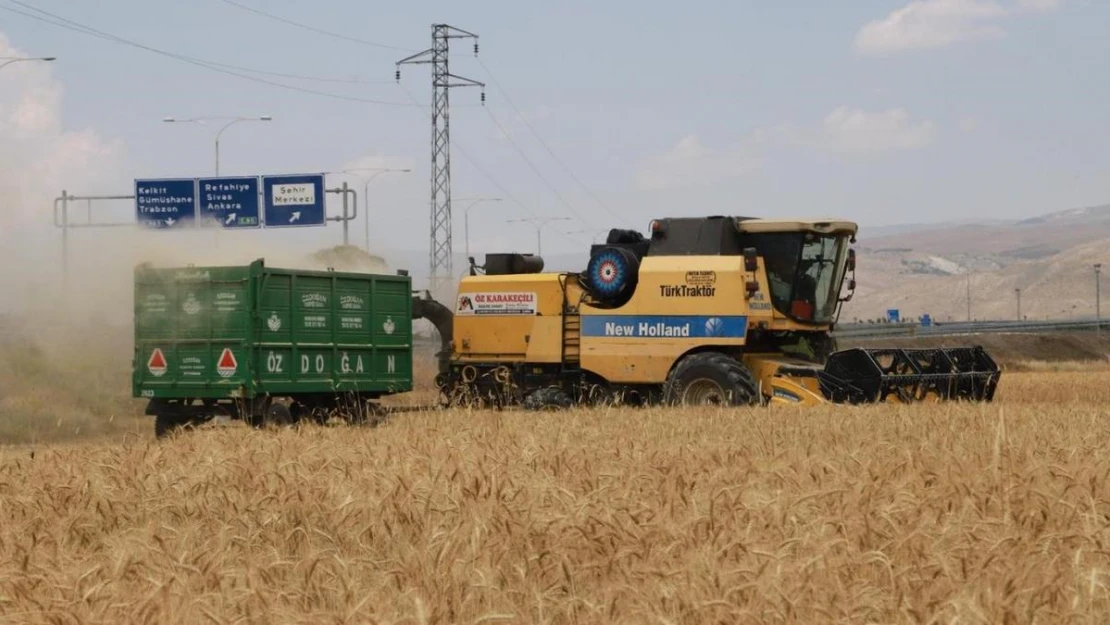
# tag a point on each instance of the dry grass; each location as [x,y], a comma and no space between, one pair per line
[1067,366]
[69,383]
[919,514]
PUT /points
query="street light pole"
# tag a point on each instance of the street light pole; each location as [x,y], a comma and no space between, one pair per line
[539,223]
[466,218]
[969,294]
[366,192]
[232,121]
[1098,298]
[8,60]
[1018,293]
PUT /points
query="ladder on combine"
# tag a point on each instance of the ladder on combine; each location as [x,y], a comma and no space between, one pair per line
[572,333]
[572,338]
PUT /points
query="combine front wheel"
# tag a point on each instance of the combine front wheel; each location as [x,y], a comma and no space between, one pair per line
[712,379]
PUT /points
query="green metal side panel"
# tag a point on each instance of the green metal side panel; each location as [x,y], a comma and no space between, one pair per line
[185,319]
[249,331]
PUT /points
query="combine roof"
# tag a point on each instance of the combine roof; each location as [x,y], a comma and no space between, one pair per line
[824,226]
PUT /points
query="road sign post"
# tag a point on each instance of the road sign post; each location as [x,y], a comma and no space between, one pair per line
[293,201]
[347,216]
[63,221]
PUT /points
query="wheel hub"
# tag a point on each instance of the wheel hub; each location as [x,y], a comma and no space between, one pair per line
[704,393]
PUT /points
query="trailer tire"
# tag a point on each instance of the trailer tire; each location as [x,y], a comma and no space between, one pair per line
[166,424]
[374,414]
[711,378]
[548,398]
[279,415]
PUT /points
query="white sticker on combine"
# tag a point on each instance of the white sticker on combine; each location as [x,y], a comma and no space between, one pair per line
[496,304]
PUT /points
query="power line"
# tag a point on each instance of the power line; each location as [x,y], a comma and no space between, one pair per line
[336,79]
[61,22]
[516,147]
[536,170]
[547,147]
[501,188]
[314,29]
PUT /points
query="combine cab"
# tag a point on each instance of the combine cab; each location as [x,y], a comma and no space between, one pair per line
[715,310]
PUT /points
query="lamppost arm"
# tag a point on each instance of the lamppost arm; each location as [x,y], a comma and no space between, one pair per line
[220,132]
[9,61]
[226,126]
[539,223]
[466,218]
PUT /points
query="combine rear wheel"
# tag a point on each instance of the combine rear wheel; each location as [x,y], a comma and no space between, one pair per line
[711,379]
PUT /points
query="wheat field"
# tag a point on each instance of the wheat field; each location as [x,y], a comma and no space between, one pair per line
[915,514]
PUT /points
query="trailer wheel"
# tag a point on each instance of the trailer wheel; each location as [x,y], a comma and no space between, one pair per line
[298,411]
[280,415]
[166,424]
[373,414]
[709,379]
[272,415]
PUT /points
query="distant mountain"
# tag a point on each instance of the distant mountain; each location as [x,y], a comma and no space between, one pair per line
[1037,237]
[926,270]
[873,232]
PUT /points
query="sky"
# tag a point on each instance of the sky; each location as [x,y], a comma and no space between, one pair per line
[599,114]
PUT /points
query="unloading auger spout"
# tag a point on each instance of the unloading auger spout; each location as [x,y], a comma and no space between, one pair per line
[424,307]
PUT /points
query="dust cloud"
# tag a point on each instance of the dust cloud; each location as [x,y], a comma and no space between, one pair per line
[66,294]
[39,158]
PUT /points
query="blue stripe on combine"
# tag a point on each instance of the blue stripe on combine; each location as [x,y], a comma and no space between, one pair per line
[664,326]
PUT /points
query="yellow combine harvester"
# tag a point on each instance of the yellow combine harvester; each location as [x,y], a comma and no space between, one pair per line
[717,310]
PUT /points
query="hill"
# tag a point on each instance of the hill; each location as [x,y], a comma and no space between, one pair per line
[926,269]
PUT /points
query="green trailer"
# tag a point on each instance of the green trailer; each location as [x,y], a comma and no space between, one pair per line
[268,345]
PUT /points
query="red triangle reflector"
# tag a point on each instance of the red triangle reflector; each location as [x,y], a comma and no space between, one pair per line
[157,362]
[227,364]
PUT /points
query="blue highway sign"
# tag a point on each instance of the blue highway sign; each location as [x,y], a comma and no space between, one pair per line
[293,201]
[229,202]
[166,203]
